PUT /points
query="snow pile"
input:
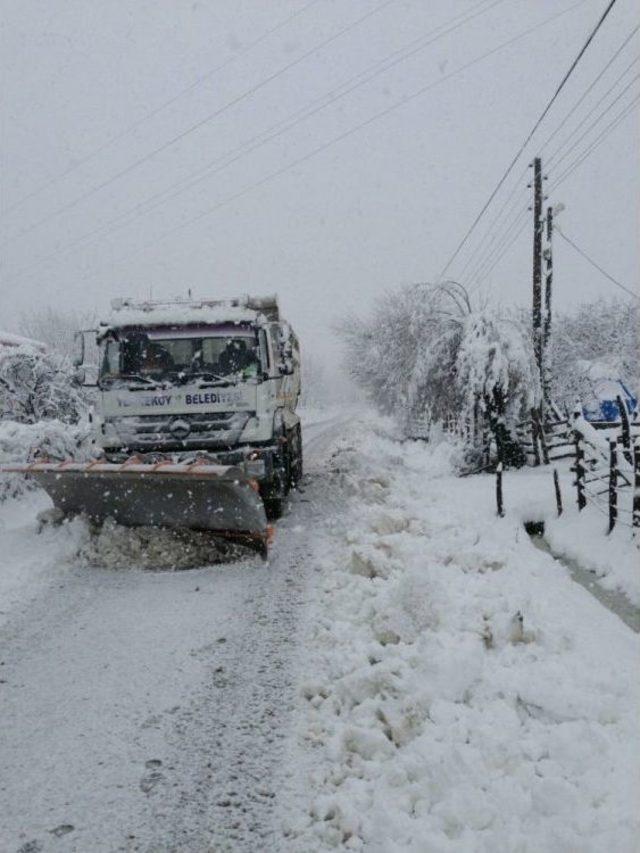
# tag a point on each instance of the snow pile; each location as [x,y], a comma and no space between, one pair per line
[115,547]
[466,694]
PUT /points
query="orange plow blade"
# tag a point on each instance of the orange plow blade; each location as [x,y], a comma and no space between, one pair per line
[194,495]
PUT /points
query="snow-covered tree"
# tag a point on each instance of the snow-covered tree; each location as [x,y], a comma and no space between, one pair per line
[427,355]
[37,386]
[600,339]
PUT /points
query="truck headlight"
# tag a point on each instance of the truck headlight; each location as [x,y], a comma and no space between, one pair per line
[255,468]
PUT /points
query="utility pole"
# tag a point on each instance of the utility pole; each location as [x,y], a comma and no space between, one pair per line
[537,263]
[546,312]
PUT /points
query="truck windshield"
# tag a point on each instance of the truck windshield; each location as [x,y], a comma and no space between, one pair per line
[169,354]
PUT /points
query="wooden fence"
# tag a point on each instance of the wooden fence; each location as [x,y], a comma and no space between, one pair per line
[606,462]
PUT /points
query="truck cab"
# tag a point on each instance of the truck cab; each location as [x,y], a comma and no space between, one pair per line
[217,379]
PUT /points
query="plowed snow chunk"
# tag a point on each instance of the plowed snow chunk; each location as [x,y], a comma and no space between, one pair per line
[368,743]
[114,546]
[385,524]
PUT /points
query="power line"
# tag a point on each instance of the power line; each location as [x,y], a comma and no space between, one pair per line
[210,117]
[593,124]
[483,250]
[596,265]
[485,245]
[593,83]
[595,144]
[561,86]
[382,113]
[493,257]
[154,112]
[280,127]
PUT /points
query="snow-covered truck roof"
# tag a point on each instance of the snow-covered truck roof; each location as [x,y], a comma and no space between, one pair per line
[8,339]
[190,312]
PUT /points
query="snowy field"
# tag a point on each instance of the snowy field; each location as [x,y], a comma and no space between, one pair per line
[407,673]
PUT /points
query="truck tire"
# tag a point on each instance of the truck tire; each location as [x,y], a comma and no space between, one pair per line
[295,457]
[275,492]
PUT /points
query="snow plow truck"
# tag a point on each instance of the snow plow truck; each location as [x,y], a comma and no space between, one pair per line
[195,424]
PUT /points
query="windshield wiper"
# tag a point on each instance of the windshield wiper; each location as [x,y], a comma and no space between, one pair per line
[209,379]
[136,377]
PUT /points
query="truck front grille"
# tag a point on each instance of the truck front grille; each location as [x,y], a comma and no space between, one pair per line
[207,429]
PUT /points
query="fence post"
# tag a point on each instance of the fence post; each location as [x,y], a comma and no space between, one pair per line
[624,427]
[613,483]
[542,436]
[580,471]
[534,438]
[556,484]
[636,485]
[499,499]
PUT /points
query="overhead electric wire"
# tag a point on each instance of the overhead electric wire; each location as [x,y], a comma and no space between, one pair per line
[347,133]
[280,127]
[319,104]
[595,143]
[528,138]
[492,258]
[485,248]
[597,266]
[510,203]
[160,108]
[565,153]
[590,87]
[201,122]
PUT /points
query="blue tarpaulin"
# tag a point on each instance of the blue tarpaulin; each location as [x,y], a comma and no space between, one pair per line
[604,404]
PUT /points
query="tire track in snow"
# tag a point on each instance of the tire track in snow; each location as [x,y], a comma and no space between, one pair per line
[127,721]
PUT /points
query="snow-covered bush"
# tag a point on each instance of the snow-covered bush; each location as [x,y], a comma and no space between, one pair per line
[600,340]
[427,357]
[37,386]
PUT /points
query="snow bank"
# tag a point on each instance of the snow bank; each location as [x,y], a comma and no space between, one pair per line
[463,694]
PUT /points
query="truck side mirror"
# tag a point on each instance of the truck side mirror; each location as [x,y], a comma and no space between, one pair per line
[286,367]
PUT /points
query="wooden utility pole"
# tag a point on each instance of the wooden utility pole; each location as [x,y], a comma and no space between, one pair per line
[546,312]
[537,262]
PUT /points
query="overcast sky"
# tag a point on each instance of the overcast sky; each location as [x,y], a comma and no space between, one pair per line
[90,88]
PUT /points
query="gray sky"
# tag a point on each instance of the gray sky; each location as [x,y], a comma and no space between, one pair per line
[385,205]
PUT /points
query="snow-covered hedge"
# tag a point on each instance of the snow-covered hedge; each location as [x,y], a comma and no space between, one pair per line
[37,386]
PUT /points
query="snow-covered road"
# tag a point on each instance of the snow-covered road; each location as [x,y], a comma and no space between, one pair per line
[148,710]
[408,673]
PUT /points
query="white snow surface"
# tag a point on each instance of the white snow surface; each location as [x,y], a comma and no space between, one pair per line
[11,340]
[408,673]
[464,694]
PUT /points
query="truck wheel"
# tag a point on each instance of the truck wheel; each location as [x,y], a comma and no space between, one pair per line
[275,492]
[295,459]
[273,508]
